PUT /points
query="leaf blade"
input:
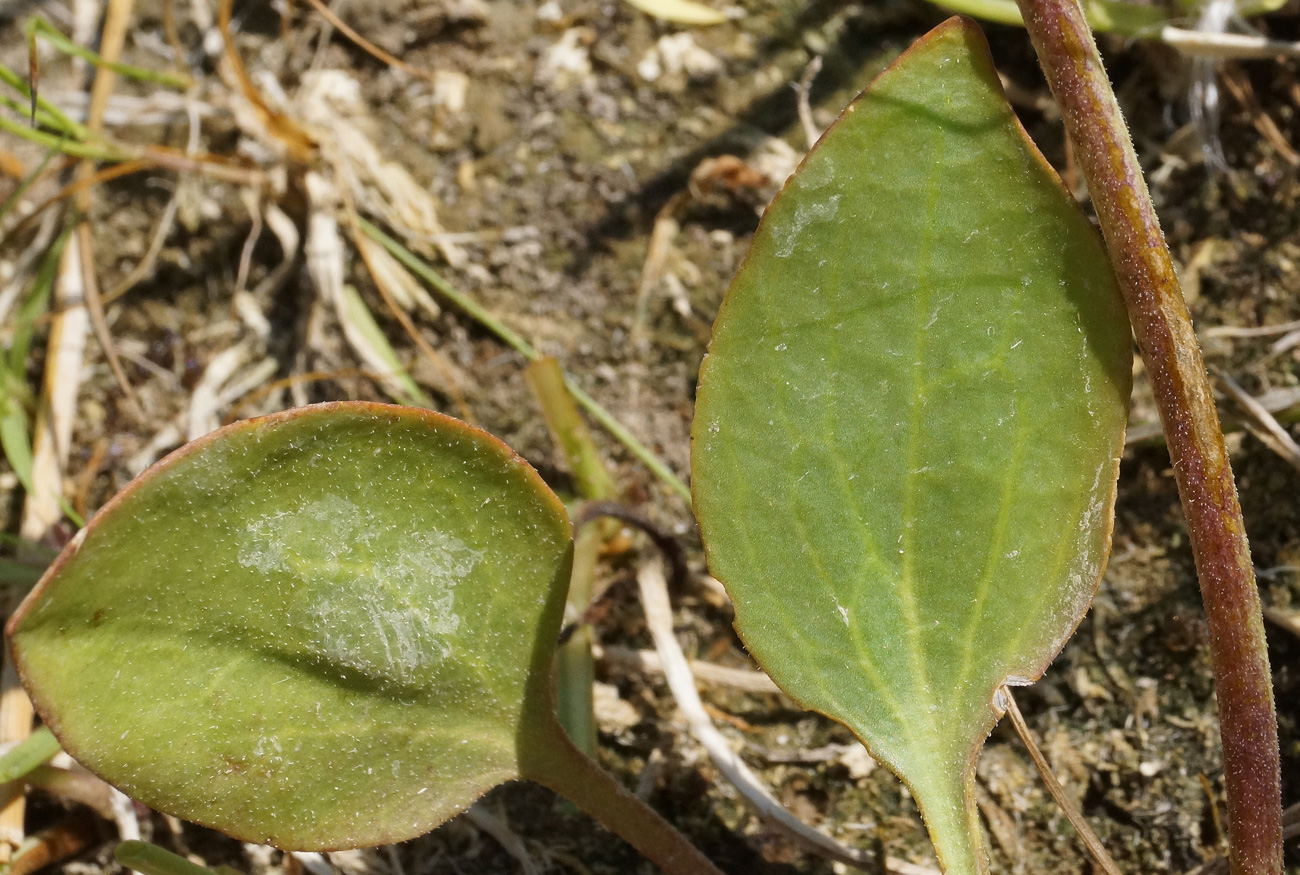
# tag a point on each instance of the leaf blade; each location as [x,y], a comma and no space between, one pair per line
[279,630]
[938,414]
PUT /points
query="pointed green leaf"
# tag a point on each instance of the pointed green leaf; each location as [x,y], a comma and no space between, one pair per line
[909,424]
[325,628]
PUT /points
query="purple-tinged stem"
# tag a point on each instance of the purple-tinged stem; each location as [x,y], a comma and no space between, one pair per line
[1069,58]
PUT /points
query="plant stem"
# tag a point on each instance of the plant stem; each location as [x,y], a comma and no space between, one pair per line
[555,763]
[1069,57]
[577,668]
[58,119]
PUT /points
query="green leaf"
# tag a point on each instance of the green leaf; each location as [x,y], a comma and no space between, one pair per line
[325,628]
[908,427]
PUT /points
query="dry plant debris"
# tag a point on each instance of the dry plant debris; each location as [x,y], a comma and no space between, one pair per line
[534,164]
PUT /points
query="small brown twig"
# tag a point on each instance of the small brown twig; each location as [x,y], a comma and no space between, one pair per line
[667,544]
[588,512]
[1286,620]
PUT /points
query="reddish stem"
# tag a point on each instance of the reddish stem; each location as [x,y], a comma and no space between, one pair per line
[1163,328]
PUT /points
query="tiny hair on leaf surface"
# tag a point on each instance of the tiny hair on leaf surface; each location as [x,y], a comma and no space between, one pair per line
[908,426]
[326,628]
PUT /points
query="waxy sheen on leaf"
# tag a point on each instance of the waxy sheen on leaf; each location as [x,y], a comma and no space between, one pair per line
[909,424]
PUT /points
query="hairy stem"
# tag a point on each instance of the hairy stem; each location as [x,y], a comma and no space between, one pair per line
[1163,328]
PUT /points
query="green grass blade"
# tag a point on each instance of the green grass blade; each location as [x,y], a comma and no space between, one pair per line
[58,118]
[55,37]
[34,750]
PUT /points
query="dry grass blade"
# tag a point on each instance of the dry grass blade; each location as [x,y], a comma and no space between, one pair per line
[1089,838]
[680,11]
[297,145]
[496,826]
[1287,620]
[75,785]
[1201,44]
[1232,331]
[707,673]
[205,397]
[366,45]
[147,261]
[95,306]
[1261,423]
[652,270]
[59,842]
[267,389]
[381,267]
[811,132]
[325,266]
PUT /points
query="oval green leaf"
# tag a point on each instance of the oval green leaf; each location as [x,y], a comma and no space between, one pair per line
[326,628]
[908,427]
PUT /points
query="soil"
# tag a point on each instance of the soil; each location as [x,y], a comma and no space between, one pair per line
[552,137]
